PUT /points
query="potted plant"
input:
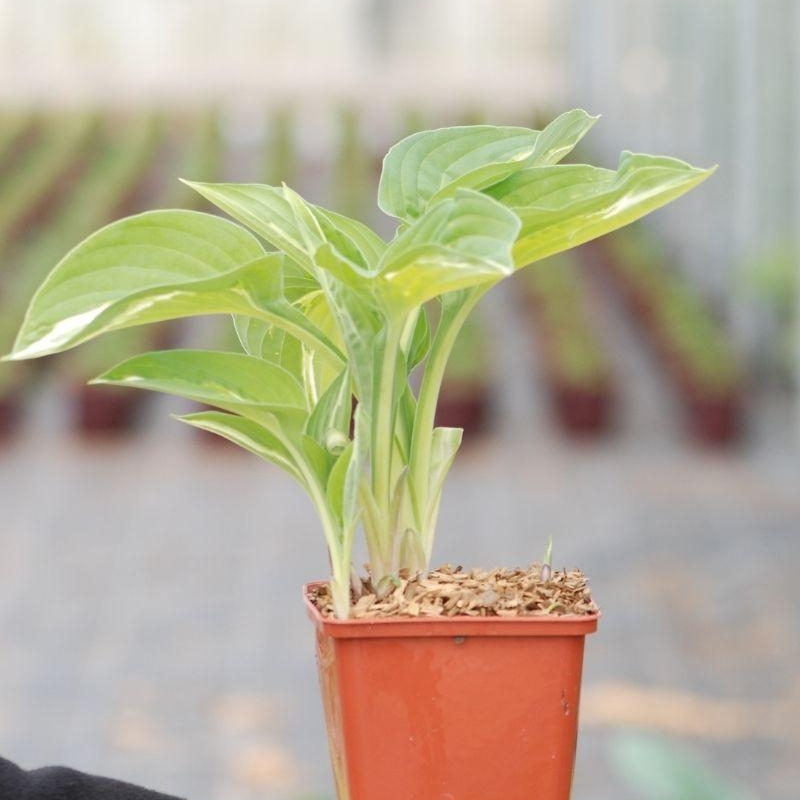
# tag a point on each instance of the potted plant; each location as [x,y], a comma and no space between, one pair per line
[575,366]
[437,683]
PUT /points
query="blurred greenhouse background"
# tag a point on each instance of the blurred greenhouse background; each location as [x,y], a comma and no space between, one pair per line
[639,398]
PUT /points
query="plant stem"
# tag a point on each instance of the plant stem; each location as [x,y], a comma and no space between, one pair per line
[338,550]
[424,422]
[384,407]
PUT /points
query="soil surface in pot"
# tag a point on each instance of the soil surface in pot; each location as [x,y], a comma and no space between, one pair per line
[453,591]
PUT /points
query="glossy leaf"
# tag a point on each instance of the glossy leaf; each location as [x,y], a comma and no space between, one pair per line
[429,166]
[247,434]
[254,290]
[459,242]
[564,206]
[220,379]
[129,257]
[264,210]
[272,213]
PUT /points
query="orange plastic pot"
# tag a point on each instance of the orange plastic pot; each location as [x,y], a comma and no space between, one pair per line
[452,709]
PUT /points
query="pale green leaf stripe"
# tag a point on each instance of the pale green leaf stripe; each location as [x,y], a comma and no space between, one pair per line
[564,206]
[254,290]
[430,166]
[132,255]
[222,379]
[247,434]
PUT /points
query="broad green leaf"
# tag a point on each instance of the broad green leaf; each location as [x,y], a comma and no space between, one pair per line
[226,380]
[567,205]
[128,257]
[247,434]
[460,242]
[369,245]
[263,209]
[431,165]
[292,225]
[360,326]
[421,165]
[660,770]
[254,290]
[317,458]
[264,339]
[270,343]
[559,138]
[344,270]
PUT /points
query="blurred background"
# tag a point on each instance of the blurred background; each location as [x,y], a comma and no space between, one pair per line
[638,399]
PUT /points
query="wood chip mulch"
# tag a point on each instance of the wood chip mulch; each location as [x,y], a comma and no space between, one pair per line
[452,591]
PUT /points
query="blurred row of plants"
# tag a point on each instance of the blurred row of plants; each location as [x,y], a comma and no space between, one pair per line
[63,175]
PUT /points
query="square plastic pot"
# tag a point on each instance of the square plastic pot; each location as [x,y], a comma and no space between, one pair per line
[458,708]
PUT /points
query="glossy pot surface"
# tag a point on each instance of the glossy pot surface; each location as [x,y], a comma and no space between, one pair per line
[452,709]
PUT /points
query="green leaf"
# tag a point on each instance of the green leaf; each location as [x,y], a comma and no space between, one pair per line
[662,771]
[128,257]
[329,422]
[335,489]
[460,242]
[367,243]
[559,138]
[431,165]
[567,205]
[474,156]
[444,446]
[255,290]
[247,434]
[266,341]
[291,224]
[227,380]
[263,209]
[360,326]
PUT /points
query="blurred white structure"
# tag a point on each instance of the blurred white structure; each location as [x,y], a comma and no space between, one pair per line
[712,82]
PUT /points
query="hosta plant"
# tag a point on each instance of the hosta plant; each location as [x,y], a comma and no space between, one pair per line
[334,318]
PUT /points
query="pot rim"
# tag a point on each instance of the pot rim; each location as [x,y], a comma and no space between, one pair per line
[425,627]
